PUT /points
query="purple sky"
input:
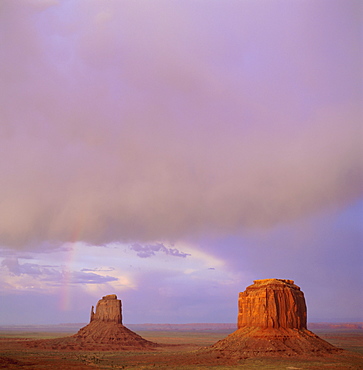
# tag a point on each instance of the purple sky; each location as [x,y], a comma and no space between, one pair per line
[172,152]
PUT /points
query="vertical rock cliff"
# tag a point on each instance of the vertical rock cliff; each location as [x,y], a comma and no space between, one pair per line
[272,303]
[108,309]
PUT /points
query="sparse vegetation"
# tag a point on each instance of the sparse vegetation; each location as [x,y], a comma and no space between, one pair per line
[181,355]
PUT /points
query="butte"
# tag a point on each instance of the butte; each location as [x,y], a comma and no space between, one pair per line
[104,332]
[272,320]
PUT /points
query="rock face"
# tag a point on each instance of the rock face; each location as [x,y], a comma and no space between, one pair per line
[108,309]
[272,303]
[272,322]
[104,332]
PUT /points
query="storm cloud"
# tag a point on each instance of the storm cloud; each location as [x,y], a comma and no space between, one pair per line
[140,121]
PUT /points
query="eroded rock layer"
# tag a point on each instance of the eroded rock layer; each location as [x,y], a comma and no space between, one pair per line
[104,332]
[257,342]
[272,303]
[108,309]
[272,322]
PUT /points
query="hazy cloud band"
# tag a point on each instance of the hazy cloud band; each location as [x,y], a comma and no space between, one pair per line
[140,121]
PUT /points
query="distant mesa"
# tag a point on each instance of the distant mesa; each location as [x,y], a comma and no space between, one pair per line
[104,332]
[272,322]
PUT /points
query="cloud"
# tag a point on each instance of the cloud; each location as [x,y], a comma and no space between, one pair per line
[101,269]
[80,277]
[145,251]
[12,265]
[25,275]
[33,269]
[140,121]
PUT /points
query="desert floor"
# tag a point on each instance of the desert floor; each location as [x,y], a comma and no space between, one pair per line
[179,351]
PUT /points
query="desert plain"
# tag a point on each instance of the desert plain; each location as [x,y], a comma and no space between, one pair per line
[179,349]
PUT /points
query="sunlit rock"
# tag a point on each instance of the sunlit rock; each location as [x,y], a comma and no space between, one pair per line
[104,332]
[272,303]
[272,322]
[108,309]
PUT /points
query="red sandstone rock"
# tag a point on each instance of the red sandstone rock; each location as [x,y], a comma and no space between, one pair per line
[104,332]
[108,309]
[272,322]
[272,303]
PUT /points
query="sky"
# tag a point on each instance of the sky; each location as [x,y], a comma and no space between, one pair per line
[173,151]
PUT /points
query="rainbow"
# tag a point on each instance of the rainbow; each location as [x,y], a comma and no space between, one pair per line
[66,282]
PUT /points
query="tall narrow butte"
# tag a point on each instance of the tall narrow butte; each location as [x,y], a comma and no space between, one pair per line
[272,322]
[108,309]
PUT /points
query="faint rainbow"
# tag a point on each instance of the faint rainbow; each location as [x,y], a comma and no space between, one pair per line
[66,284]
